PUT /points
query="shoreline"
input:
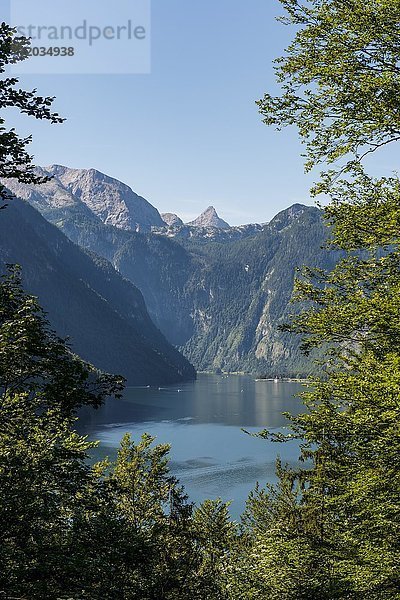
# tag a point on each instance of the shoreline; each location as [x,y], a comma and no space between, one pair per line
[252,375]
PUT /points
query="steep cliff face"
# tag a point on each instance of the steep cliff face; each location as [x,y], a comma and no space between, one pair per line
[222,302]
[220,295]
[209,218]
[247,288]
[103,314]
[172,220]
[91,195]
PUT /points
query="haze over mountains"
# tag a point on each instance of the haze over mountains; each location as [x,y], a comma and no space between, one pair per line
[93,194]
[217,292]
[86,299]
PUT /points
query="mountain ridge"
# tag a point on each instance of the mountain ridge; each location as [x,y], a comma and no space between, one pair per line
[219,295]
[209,218]
[102,313]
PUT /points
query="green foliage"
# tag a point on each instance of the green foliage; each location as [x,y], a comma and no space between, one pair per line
[43,474]
[43,478]
[102,313]
[140,475]
[339,78]
[70,530]
[15,161]
[217,536]
[337,519]
[354,412]
[34,361]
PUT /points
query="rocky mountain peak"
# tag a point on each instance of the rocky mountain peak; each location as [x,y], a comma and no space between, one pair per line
[114,202]
[209,218]
[287,216]
[172,220]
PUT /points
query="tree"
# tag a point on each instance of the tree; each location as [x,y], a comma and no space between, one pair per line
[70,529]
[36,362]
[339,78]
[157,552]
[217,537]
[340,81]
[44,477]
[44,483]
[15,161]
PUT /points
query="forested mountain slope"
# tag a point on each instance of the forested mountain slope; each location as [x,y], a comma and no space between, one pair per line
[220,295]
[86,299]
[247,288]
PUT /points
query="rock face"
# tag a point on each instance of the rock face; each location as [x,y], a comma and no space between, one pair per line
[209,218]
[109,199]
[204,235]
[172,220]
[91,194]
[220,295]
[103,314]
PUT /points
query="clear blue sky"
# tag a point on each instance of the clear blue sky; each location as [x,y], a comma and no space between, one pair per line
[188,134]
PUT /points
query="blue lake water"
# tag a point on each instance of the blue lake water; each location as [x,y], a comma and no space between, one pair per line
[203,420]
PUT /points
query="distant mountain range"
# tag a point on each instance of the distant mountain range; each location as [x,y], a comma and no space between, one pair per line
[94,196]
[219,293]
[172,220]
[88,300]
[209,218]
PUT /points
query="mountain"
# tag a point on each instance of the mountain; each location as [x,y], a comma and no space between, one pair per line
[220,295]
[222,302]
[91,195]
[112,201]
[86,299]
[207,234]
[209,218]
[171,219]
[247,289]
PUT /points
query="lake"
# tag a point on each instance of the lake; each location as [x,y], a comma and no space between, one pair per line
[203,420]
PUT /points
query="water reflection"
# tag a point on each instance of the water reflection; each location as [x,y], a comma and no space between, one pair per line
[229,400]
[202,420]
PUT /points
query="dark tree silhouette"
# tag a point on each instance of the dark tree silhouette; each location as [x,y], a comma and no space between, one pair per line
[15,160]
